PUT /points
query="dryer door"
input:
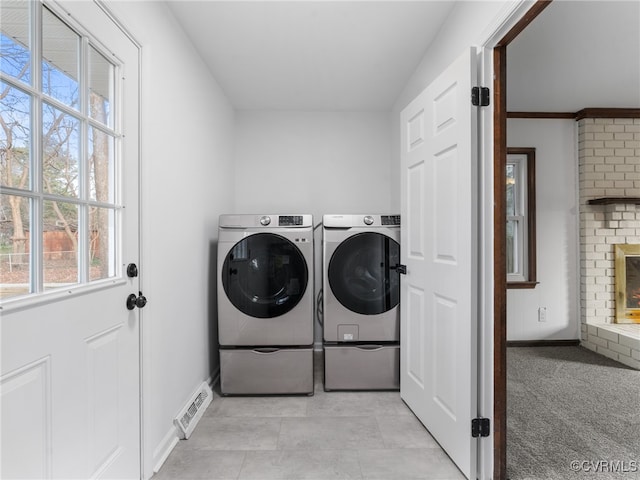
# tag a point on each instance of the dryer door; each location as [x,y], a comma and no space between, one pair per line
[362,273]
[264,275]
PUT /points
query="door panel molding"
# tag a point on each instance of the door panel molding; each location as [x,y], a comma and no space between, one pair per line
[26,393]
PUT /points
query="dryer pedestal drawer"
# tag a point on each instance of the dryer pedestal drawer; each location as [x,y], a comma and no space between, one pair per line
[266,371]
[362,367]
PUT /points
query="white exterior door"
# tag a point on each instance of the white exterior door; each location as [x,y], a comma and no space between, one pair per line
[70,378]
[438,295]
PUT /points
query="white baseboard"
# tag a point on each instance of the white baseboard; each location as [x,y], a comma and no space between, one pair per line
[171,439]
[164,449]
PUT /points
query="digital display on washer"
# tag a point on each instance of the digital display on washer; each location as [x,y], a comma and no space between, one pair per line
[390,219]
[289,220]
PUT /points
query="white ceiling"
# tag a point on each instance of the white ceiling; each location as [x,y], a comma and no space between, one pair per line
[311,55]
[358,55]
[577,55]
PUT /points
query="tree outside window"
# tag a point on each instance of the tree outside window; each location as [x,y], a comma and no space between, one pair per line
[58,211]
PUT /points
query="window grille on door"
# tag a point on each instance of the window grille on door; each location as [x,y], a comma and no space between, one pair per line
[58,153]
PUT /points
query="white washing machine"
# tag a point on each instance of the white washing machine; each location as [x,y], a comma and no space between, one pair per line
[361,296]
[265,304]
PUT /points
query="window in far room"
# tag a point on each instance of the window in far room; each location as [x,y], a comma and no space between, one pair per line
[521,218]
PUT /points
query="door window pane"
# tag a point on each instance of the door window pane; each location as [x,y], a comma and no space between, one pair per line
[15,151]
[60,244]
[60,60]
[61,152]
[15,259]
[15,54]
[101,166]
[101,81]
[102,243]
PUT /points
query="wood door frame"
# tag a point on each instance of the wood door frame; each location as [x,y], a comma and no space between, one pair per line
[499,231]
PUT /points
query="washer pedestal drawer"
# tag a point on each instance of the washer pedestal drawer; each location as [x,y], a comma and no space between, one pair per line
[362,367]
[266,371]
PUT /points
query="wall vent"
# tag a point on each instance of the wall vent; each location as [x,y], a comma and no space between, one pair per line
[190,415]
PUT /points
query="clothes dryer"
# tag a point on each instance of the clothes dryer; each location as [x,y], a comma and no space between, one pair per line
[361,296]
[265,304]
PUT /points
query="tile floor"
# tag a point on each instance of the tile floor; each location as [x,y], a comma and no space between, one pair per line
[327,436]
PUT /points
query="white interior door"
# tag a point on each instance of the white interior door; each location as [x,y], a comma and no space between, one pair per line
[70,379]
[438,294]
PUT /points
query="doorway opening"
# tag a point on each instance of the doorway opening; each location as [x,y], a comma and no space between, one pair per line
[500,157]
[500,213]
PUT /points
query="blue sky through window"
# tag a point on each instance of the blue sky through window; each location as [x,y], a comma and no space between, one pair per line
[15,62]
[15,59]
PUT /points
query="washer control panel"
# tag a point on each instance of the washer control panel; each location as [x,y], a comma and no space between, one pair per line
[289,220]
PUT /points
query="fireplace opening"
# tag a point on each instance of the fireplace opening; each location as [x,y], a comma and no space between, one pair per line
[627,281]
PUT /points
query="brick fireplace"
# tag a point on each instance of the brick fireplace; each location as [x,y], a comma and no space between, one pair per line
[609,189]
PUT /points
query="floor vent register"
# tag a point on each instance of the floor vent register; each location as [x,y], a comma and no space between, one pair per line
[189,416]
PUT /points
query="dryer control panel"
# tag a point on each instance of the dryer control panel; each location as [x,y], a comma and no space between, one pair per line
[365,221]
[390,219]
[252,221]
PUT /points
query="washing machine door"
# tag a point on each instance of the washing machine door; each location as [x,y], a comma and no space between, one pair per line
[264,275]
[362,273]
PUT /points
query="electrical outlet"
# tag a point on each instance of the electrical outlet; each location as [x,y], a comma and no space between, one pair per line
[542,314]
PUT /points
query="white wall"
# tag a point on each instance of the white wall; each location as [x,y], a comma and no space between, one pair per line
[313,162]
[187,181]
[557,234]
[468,24]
